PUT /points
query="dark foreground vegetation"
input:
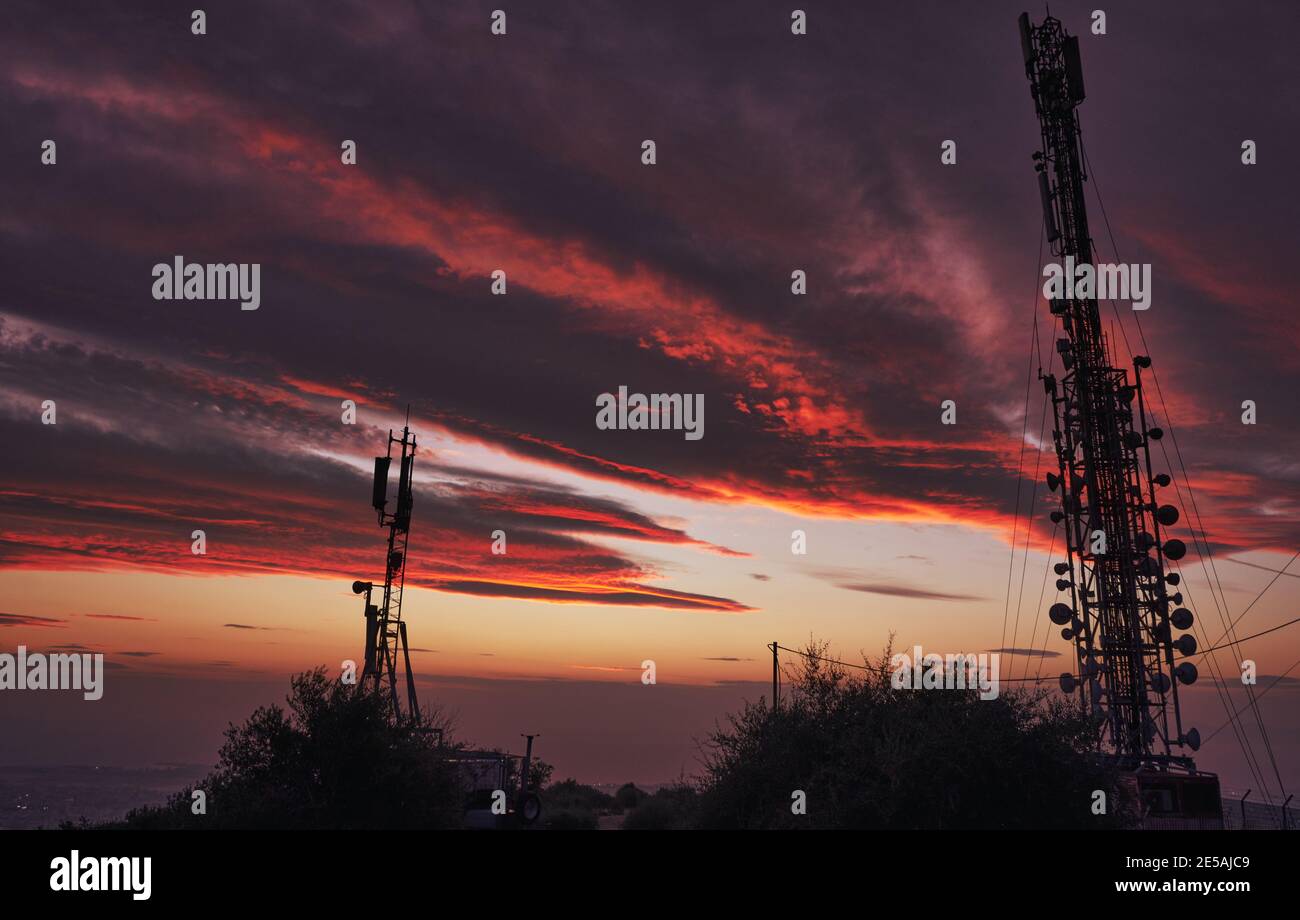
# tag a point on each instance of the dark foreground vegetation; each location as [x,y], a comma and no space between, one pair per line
[854,751]
[331,759]
[869,756]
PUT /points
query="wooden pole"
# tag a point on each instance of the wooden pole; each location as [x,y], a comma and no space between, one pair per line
[776,679]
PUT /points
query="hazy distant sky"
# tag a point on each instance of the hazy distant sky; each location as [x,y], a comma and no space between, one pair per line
[522,153]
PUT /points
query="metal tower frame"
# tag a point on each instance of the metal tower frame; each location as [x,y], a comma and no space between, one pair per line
[385,628]
[1119,612]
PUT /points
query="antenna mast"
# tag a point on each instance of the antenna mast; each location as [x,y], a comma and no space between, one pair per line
[385,628]
[1119,615]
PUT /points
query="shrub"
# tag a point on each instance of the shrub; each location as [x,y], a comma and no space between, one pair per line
[869,756]
[332,759]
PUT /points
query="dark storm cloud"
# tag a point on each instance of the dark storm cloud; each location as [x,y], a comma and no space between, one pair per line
[265,505]
[522,154]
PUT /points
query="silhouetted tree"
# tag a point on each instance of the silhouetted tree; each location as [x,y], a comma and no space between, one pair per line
[333,759]
[539,774]
[869,756]
[629,796]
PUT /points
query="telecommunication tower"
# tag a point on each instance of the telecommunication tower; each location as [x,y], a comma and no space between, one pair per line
[385,628]
[1124,605]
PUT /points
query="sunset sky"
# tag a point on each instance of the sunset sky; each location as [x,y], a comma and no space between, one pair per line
[523,153]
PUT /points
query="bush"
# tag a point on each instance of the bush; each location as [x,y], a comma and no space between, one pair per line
[629,796]
[334,759]
[539,774]
[671,808]
[869,756]
[572,794]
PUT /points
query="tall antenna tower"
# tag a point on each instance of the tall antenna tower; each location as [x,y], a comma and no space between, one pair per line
[385,628]
[1122,613]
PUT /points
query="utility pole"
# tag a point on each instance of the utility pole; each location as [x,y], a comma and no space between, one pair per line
[776,678]
[528,805]
[528,762]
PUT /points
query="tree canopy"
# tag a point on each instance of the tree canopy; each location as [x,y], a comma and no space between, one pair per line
[331,759]
[867,755]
